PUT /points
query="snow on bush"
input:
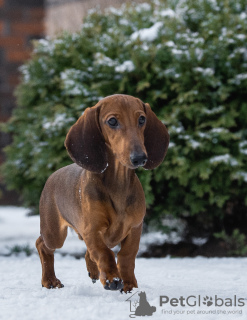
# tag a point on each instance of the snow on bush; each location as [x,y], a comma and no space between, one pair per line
[188,59]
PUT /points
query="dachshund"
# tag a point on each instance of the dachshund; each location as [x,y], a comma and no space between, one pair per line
[99,195]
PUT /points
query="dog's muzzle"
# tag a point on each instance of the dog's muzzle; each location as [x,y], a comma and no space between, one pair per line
[138,159]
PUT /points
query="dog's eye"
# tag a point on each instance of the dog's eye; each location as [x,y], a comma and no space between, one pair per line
[142,120]
[113,122]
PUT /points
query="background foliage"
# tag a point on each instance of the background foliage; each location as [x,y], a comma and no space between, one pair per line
[188,59]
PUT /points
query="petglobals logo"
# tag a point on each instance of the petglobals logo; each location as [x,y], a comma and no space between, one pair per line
[139,305]
[191,304]
[198,301]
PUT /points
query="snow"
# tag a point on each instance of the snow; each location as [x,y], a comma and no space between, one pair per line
[80,193]
[125,66]
[168,13]
[72,82]
[177,129]
[147,34]
[214,110]
[185,137]
[58,122]
[242,145]
[25,73]
[177,51]
[243,151]
[22,297]
[243,15]
[203,135]
[158,238]
[104,168]
[242,175]
[143,7]
[199,53]
[47,45]
[241,76]
[199,241]
[226,158]
[205,71]
[219,130]
[124,22]
[115,11]
[170,44]
[171,145]
[16,228]
[194,144]
[240,36]
[101,59]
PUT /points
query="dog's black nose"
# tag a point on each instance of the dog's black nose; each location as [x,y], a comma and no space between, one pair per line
[138,159]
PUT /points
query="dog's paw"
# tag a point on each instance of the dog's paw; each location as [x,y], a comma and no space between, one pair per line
[93,277]
[128,287]
[52,283]
[115,284]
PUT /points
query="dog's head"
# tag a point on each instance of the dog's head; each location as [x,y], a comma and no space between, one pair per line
[120,124]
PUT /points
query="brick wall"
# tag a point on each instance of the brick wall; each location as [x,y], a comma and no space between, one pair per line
[20,22]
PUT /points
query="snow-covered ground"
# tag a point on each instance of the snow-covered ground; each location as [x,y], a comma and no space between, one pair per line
[16,228]
[22,297]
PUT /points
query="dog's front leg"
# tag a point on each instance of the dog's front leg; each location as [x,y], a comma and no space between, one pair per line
[104,258]
[126,258]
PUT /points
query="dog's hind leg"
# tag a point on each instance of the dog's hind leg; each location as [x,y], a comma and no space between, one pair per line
[53,231]
[46,255]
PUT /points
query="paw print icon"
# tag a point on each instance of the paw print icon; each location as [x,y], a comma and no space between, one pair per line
[208,301]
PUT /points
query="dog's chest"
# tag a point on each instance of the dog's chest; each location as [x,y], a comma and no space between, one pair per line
[115,233]
[122,219]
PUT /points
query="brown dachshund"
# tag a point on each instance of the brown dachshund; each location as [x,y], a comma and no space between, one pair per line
[100,196]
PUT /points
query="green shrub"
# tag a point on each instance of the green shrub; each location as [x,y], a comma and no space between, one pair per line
[236,243]
[16,249]
[188,59]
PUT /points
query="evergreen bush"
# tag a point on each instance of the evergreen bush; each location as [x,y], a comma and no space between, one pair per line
[188,60]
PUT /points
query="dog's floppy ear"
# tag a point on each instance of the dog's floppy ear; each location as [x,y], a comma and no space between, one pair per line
[85,142]
[156,139]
